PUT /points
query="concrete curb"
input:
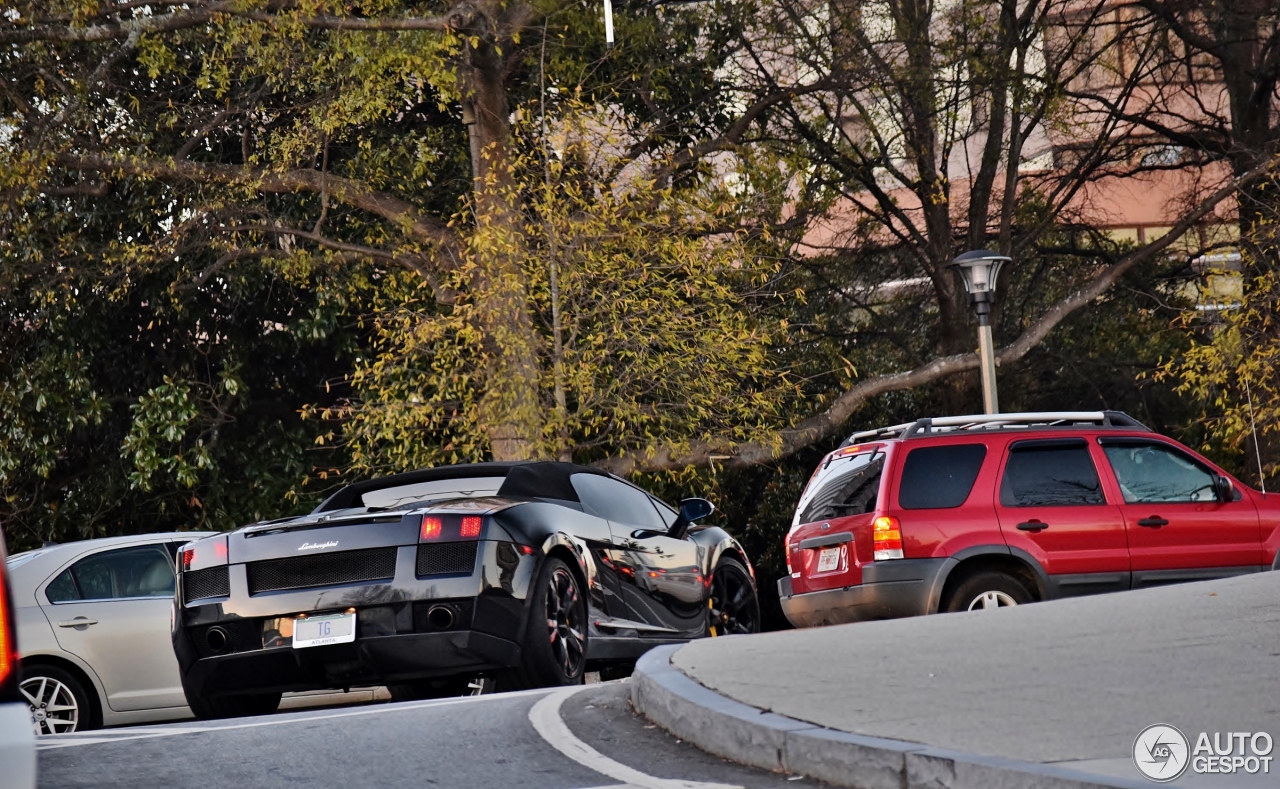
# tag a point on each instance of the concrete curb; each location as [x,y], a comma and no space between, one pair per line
[745,734]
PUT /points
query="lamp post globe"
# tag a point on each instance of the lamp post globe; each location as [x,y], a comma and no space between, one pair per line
[979,270]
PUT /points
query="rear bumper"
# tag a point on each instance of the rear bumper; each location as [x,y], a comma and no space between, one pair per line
[366,661]
[17,747]
[394,643]
[892,589]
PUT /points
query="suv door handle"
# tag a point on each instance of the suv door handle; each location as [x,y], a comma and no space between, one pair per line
[1154,522]
[1033,525]
[78,621]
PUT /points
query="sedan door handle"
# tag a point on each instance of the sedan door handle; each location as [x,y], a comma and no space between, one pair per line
[1154,522]
[78,621]
[1033,525]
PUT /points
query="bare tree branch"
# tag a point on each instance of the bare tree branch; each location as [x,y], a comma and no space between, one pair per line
[399,212]
[830,421]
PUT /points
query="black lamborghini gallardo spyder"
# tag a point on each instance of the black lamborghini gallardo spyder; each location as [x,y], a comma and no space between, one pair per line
[506,575]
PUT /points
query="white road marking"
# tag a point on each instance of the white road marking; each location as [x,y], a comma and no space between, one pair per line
[545,717]
[149,732]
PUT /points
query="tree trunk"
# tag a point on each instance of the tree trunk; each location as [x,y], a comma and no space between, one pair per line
[510,409]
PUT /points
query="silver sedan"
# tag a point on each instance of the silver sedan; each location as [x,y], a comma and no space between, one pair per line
[94,629]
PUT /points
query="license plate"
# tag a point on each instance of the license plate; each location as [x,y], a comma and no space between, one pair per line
[829,559]
[314,631]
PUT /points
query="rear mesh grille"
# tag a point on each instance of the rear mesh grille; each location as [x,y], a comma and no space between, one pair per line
[376,564]
[447,558]
[200,584]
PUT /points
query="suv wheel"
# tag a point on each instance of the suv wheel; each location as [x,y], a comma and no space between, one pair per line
[555,641]
[233,706]
[986,590]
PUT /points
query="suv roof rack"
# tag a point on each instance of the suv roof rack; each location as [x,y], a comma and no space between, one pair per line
[945,424]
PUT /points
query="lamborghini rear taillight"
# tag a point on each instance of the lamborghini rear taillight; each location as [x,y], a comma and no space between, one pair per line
[450,528]
[201,554]
[431,528]
[886,536]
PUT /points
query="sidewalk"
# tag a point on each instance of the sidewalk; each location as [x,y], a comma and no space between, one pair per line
[1052,694]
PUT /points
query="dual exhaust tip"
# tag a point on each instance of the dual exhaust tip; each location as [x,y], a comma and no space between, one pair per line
[440,617]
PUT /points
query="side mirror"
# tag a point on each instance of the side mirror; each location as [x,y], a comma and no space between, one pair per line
[690,510]
[696,509]
[1223,487]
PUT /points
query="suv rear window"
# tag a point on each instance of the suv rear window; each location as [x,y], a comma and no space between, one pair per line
[1050,474]
[935,478]
[846,485]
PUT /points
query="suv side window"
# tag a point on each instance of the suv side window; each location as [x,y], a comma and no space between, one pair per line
[1149,471]
[143,571]
[616,501]
[1054,473]
[939,477]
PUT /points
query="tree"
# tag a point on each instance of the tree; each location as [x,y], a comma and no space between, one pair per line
[384,133]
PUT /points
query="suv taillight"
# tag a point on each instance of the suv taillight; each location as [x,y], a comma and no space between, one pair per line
[886,537]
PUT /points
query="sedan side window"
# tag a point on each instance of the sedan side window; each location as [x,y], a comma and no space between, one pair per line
[617,501]
[1050,474]
[62,589]
[145,571]
[1151,472]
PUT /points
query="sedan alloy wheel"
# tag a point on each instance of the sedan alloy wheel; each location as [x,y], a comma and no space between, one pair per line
[54,709]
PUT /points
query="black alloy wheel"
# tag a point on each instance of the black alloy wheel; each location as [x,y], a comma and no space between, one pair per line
[732,607]
[555,644]
[566,626]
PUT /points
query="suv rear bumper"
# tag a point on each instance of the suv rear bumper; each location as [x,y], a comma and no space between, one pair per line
[891,589]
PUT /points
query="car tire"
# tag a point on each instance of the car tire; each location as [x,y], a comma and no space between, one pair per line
[733,606]
[986,590]
[44,687]
[554,652]
[233,706]
[440,688]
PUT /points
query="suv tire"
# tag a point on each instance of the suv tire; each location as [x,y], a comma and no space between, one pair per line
[988,589]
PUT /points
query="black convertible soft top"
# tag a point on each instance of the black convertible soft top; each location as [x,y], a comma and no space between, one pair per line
[539,478]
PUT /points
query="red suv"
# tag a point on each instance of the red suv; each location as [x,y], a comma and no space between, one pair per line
[969,512]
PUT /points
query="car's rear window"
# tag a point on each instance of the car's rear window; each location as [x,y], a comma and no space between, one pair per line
[844,486]
[463,487]
[939,477]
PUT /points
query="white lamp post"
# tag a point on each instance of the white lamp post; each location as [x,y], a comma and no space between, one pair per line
[979,270]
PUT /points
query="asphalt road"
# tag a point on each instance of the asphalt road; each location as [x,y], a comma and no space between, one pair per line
[572,739]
